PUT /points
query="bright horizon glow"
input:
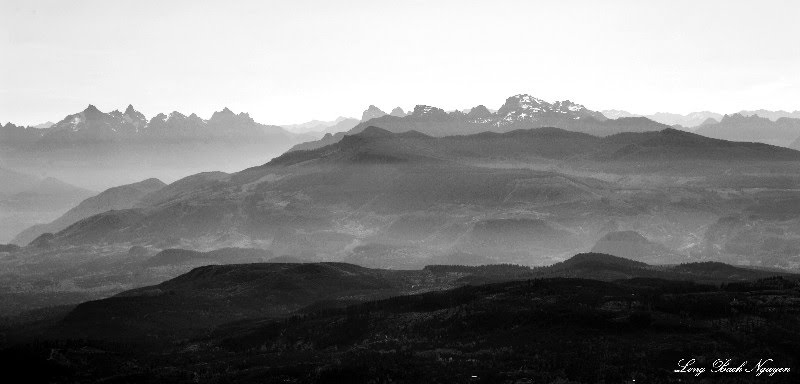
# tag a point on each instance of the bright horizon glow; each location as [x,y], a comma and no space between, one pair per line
[287,62]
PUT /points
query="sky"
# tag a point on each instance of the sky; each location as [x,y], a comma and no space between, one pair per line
[292,61]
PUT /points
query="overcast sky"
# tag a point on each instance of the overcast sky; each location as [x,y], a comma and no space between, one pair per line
[292,61]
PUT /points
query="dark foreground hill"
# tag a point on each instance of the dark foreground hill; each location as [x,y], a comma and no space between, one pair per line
[209,296]
[551,330]
[212,295]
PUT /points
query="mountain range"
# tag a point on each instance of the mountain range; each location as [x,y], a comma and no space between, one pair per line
[101,150]
[340,124]
[518,112]
[690,120]
[92,126]
[400,192]
[783,131]
[695,119]
[772,115]
[403,200]
[175,145]
[415,255]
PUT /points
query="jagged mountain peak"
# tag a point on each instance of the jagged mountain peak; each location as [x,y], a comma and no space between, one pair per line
[742,117]
[176,115]
[524,98]
[524,107]
[227,115]
[372,112]
[423,110]
[91,109]
[569,105]
[132,113]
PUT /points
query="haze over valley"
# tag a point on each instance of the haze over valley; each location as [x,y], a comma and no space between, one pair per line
[531,183]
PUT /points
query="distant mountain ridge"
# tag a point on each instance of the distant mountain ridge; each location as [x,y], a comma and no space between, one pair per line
[376,166]
[695,119]
[772,115]
[689,120]
[341,124]
[739,127]
[93,126]
[378,144]
[338,125]
[518,112]
[131,147]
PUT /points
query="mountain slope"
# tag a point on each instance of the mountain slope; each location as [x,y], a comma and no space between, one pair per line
[366,192]
[679,145]
[41,200]
[122,197]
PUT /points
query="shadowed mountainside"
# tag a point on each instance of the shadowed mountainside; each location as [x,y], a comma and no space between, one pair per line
[122,197]
[368,188]
[405,200]
[26,200]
